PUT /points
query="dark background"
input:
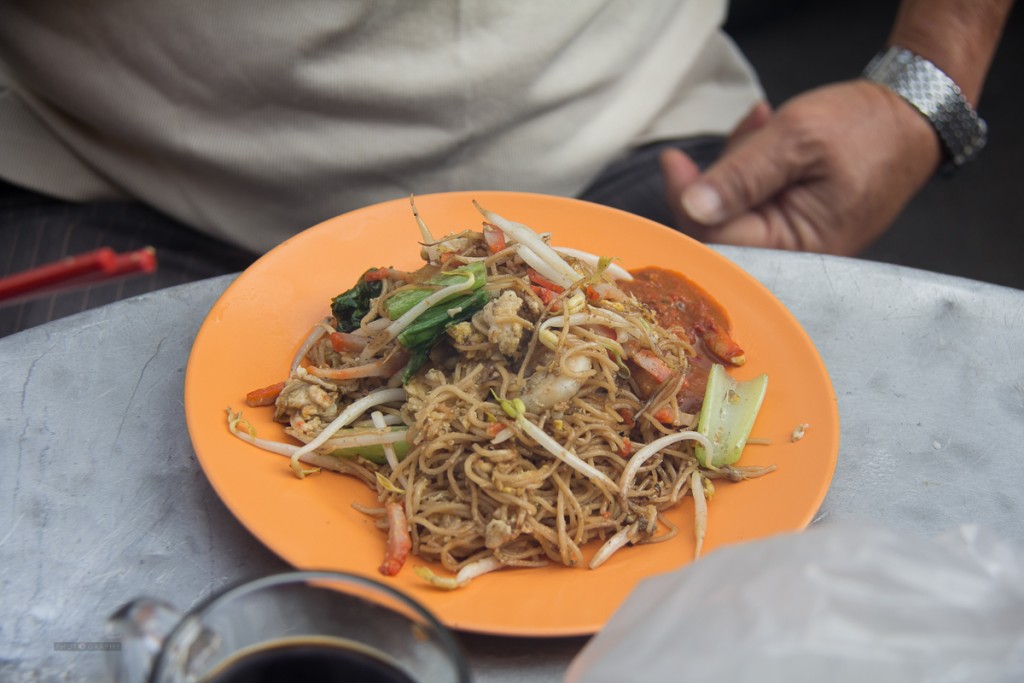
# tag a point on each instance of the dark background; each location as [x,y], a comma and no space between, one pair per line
[970,225]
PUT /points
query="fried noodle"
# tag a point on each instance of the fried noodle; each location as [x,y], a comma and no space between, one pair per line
[515,443]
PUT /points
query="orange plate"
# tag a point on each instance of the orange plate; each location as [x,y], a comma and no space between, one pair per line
[254,329]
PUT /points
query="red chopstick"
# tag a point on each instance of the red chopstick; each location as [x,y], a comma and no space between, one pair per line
[141,262]
[94,267]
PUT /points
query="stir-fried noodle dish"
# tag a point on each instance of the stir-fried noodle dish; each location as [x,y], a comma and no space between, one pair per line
[513,405]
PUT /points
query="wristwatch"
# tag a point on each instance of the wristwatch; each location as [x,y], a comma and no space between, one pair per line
[925,86]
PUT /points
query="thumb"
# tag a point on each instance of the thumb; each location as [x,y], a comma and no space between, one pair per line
[743,178]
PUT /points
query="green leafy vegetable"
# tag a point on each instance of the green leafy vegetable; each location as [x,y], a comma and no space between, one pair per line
[350,307]
[420,336]
[428,329]
[728,414]
[407,297]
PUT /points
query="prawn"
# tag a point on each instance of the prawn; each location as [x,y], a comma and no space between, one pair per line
[399,542]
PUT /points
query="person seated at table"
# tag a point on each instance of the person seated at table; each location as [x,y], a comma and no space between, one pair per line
[232,126]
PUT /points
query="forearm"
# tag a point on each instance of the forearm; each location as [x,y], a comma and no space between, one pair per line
[958,36]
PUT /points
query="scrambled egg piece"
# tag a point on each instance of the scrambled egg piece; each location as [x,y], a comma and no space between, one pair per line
[463,334]
[501,319]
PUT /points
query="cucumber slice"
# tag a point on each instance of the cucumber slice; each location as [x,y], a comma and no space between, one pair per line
[728,414]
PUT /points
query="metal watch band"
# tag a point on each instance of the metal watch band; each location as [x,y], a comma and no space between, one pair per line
[936,96]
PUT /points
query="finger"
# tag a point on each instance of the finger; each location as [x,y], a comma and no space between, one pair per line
[755,119]
[678,171]
[743,178]
[749,230]
[765,228]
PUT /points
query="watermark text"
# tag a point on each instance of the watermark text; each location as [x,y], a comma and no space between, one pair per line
[87,646]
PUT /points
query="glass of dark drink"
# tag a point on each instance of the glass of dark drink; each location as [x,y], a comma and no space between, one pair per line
[297,626]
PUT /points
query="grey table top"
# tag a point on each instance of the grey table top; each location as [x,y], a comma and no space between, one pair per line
[102,500]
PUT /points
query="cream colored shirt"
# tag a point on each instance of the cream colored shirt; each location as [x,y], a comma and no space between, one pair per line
[254,119]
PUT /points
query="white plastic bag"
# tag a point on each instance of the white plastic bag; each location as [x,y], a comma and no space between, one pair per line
[836,603]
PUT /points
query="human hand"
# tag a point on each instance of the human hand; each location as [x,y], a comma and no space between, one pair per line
[828,172]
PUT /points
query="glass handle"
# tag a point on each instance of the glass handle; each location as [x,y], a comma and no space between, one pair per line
[141,626]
